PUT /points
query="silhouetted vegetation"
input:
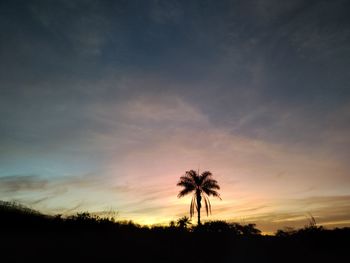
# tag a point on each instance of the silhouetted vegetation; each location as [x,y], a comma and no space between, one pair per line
[183,223]
[28,235]
[202,186]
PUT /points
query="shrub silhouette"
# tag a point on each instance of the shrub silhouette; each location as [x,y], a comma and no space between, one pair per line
[220,226]
[311,228]
[287,231]
[183,223]
[85,237]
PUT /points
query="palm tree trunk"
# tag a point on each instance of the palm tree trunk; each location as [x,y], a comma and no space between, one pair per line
[199,199]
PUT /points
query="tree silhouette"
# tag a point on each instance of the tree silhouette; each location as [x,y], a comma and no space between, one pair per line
[183,222]
[203,186]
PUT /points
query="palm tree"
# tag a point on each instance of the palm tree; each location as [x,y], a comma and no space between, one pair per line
[183,222]
[203,186]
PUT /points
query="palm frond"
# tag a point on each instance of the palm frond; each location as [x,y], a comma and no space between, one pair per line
[193,201]
[210,192]
[207,204]
[210,205]
[184,181]
[210,184]
[194,175]
[184,192]
[186,178]
[204,176]
[186,184]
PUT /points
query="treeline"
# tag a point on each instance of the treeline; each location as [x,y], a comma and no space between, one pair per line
[28,235]
[16,216]
[13,214]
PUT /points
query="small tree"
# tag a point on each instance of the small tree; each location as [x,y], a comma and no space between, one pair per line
[202,186]
[183,222]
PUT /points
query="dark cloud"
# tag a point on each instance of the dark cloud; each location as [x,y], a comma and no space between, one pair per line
[37,201]
[273,61]
[16,183]
[71,210]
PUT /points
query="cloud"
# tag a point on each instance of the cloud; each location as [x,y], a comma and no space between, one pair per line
[328,211]
[37,201]
[17,183]
[170,109]
[318,32]
[83,26]
[165,12]
[100,97]
[274,10]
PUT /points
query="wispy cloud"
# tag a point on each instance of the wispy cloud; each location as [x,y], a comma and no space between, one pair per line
[17,183]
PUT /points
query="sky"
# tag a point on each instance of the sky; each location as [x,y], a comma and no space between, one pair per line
[105,104]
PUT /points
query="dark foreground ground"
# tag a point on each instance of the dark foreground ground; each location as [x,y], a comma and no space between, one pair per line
[37,238]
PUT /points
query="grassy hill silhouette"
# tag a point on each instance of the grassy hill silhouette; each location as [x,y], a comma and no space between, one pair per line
[28,235]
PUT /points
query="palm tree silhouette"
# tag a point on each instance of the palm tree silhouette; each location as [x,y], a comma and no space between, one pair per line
[203,186]
[183,222]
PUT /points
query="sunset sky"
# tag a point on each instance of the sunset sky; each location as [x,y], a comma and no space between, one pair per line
[105,104]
